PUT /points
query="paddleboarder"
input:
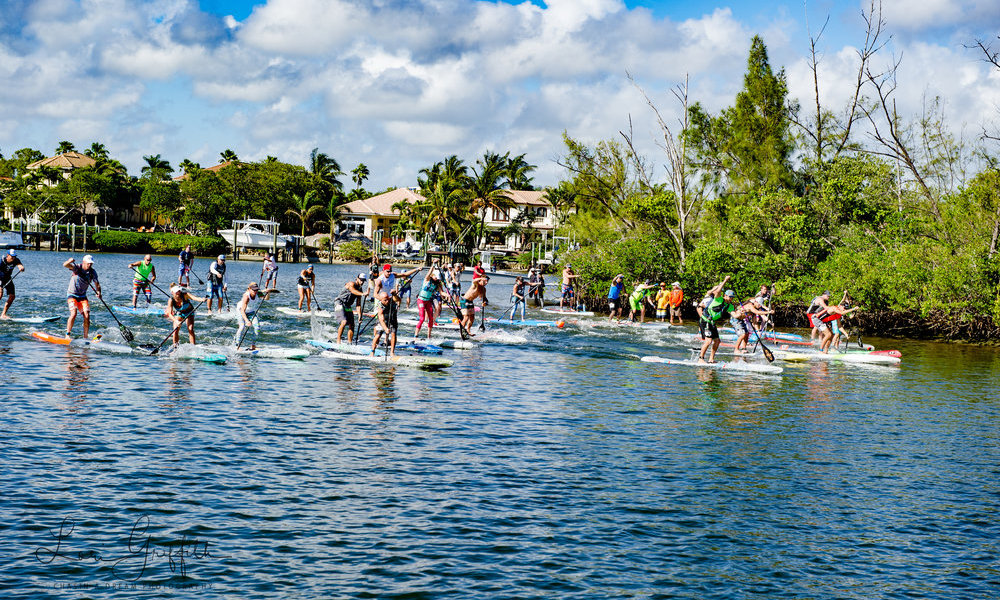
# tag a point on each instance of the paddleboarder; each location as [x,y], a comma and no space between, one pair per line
[143,274]
[568,280]
[269,270]
[386,308]
[718,308]
[740,320]
[247,309]
[817,308]
[637,300]
[218,281]
[8,263]
[307,287]
[387,280]
[467,301]
[185,258]
[180,311]
[615,297]
[432,286]
[343,305]
[517,298]
[829,323]
[83,276]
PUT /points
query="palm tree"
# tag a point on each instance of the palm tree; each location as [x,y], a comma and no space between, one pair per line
[303,209]
[228,155]
[157,167]
[516,172]
[97,151]
[65,147]
[486,187]
[331,211]
[325,173]
[188,166]
[361,173]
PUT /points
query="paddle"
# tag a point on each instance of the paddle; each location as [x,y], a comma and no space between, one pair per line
[125,331]
[767,351]
[172,331]
[225,295]
[482,317]
[315,299]
[361,316]
[458,313]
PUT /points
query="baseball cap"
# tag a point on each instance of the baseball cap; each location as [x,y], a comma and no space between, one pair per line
[730,293]
[309,268]
[12,252]
[88,259]
[387,267]
[362,276]
[253,286]
[676,284]
[222,257]
[825,293]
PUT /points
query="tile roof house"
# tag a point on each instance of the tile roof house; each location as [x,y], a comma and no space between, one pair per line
[213,168]
[65,162]
[539,217]
[376,213]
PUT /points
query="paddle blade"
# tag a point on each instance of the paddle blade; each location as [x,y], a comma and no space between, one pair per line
[767,353]
[126,333]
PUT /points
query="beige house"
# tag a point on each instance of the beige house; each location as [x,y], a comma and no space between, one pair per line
[65,162]
[540,218]
[373,214]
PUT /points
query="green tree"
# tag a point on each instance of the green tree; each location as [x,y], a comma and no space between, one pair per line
[516,172]
[361,173]
[65,147]
[324,172]
[228,155]
[304,208]
[97,151]
[157,167]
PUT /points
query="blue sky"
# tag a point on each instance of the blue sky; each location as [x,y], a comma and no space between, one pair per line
[401,84]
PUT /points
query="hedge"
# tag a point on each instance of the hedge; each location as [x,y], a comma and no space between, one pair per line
[354,251]
[157,243]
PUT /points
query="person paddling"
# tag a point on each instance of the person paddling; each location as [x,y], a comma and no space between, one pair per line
[185,258]
[387,307]
[180,310]
[433,286]
[615,297]
[83,276]
[740,321]
[829,323]
[247,308]
[568,281]
[8,263]
[269,270]
[467,301]
[343,306]
[817,308]
[307,287]
[718,309]
[517,297]
[144,274]
[218,282]
[637,301]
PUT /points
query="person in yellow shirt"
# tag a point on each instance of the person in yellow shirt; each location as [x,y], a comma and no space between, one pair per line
[662,302]
[676,298]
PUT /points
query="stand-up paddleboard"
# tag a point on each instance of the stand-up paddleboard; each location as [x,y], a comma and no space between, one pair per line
[97,342]
[449,324]
[32,320]
[886,357]
[140,310]
[728,365]
[288,310]
[366,348]
[274,352]
[188,352]
[429,363]
[768,335]
[568,311]
[452,344]
[51,338]
[524,323]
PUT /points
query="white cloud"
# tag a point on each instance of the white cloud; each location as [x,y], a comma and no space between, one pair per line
[934,14]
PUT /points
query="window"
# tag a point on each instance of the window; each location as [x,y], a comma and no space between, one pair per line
[500,214]
[541,212]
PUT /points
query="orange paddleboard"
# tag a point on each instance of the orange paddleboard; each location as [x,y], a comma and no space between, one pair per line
[52,339]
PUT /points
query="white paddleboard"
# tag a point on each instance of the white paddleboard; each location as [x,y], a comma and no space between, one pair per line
[323,314]
[275,352]
[33,320]
[723,365]
[568,311]
[419,362]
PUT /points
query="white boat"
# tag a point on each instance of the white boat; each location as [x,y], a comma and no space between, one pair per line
[254,233]
[11,239]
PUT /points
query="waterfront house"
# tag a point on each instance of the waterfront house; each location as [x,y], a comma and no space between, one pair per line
[510,230]
[367,216]
[65,163]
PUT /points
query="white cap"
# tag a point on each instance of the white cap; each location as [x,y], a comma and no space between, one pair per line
[88,259]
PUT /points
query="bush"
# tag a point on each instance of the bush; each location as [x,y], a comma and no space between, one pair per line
[354,251]
[524,260]
[129,242]
[323,243]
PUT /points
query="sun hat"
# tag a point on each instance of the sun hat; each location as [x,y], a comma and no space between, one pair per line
[676,284]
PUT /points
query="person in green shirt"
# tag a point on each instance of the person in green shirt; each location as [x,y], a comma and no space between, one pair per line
[144,273]
[637,300]
[717,310]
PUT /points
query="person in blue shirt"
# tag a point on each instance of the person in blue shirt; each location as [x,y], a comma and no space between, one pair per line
[615,297]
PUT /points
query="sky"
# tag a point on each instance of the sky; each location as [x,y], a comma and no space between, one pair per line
[401,84]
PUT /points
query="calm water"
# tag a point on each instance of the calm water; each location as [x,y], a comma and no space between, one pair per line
[557,468]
